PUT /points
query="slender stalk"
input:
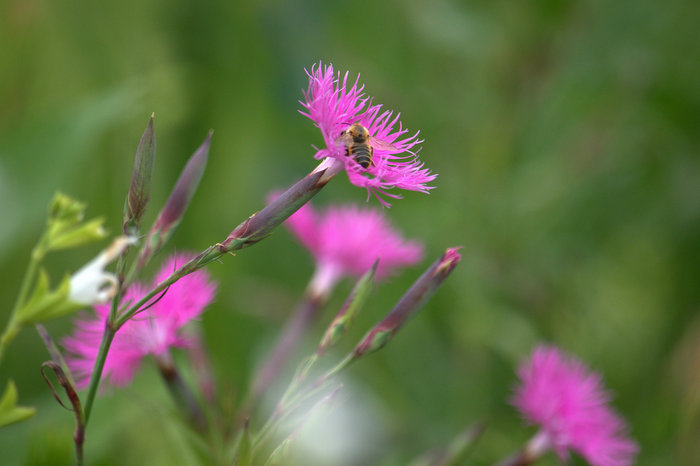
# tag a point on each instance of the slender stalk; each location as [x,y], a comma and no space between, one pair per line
[521,458]
[34,260]
[11,330]
[69,388]
[13,327]
[181,393]
[252,230]
[107,338]
[201,364]
[289,403]
[532,451]
[191,266]
[249,232]
[294,330]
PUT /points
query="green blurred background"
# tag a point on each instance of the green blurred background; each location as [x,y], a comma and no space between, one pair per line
[566,138]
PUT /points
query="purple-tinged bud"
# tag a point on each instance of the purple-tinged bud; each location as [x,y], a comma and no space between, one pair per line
[409,304]
[174,209]
[357,299]
[140,188]
[260,224]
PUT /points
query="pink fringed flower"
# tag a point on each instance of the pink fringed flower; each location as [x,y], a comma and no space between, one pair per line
[570,405]
[152,331]
[334,108]
[347,240]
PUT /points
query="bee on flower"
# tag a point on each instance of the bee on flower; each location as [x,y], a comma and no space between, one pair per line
[364,139]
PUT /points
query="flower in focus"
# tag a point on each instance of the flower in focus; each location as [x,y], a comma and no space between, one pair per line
[334,108]
[570,405]
[347,240]
[152,331]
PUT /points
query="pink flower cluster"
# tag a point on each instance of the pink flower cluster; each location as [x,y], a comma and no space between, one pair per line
[334,108]
[569,403]
[347,240]
[150,332]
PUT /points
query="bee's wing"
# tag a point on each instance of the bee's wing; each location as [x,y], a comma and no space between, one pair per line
[383,145]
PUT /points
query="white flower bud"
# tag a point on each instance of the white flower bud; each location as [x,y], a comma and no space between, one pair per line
[92,284]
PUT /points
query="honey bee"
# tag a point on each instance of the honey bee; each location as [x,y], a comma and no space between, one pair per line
[360,145]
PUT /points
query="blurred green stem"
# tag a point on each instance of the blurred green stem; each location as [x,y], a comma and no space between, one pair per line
[252,230]
[112,325]
[13,326]
[107,338]
[289,402]
[182,395]
[302,318]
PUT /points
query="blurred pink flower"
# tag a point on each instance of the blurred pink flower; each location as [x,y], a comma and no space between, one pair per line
[152,331]
[347,240]
[334,108]
[570,405]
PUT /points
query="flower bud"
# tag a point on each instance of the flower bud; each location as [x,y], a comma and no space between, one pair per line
[357,299]
[140,188]
[64,208]
[65,226]
[180,197]
[409,304]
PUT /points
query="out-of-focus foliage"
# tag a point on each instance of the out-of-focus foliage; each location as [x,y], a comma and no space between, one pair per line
[566,138]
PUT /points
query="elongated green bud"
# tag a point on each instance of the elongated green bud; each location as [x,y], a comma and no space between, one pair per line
[140,188]
[352,306]
[409,304]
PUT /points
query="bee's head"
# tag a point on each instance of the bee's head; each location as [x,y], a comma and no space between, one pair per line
[358,132]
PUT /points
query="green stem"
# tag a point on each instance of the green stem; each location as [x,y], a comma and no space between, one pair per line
[11,330]
[183,397]
[13,327]
[112,325]
[289,402]
[107,338]
[36,257]
[191,266]
[299,323]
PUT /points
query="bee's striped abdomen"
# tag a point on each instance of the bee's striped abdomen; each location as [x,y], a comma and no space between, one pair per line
[362,154]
